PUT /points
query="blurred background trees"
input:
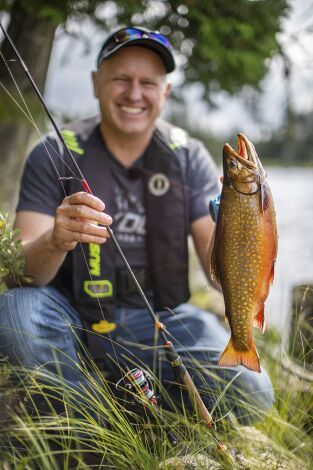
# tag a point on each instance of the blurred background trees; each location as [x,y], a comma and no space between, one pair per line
[220,45]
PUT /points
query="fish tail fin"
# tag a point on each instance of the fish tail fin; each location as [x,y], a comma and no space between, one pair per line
[233,357]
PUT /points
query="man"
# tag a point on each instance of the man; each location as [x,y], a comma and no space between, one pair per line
[155,184]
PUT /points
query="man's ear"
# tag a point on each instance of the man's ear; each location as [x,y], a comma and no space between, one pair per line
[167,91]
[94,76]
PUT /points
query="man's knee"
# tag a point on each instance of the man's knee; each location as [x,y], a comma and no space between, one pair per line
[251,395]
[192,326]
[259,388]
[32,325]
[17,307]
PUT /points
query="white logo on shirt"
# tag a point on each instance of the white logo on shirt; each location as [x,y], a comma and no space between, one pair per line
[159,184]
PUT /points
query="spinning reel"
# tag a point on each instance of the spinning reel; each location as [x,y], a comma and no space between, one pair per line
[138,383]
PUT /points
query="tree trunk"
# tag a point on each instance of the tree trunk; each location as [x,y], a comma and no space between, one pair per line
[33,37]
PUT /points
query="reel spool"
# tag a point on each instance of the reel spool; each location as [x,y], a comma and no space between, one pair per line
[139,383]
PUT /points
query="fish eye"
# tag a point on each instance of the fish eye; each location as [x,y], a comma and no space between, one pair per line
[233,164]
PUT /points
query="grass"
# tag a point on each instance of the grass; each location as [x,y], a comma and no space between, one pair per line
[46,423]
[89,427]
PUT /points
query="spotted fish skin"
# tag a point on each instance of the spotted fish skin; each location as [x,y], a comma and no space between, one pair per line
[244,250]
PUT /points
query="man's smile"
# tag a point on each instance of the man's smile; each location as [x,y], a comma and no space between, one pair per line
[131,109]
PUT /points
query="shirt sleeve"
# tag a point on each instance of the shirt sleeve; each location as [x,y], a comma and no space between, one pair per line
[40,189]
[202,180]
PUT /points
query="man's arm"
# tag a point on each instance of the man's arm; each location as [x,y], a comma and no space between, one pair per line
[47,240]
[203,232]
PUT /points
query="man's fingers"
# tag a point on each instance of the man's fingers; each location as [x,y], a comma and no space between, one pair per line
[86,227]
[82,198]
[84,238]
[80,218]
[85,213]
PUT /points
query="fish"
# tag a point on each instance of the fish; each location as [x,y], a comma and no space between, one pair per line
[244,250]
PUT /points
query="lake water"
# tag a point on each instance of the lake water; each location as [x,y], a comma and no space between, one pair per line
[292,190]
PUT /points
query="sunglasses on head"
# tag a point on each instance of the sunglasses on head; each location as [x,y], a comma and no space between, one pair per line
[130,34]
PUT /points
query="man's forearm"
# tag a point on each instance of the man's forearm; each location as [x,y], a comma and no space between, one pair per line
[43,259]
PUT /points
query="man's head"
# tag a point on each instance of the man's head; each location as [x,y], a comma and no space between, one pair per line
[130,82]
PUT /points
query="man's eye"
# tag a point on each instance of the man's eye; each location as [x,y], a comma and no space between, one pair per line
[149,83]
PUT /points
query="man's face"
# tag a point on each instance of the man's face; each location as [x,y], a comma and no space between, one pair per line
[132,90]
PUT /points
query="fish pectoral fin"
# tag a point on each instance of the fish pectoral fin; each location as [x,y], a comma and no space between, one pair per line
[259,321]
[272,275]
[232,357]
[265,197]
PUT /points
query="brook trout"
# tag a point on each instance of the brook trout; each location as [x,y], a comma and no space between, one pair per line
[245,250]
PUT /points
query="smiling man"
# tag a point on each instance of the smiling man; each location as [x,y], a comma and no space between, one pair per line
[132,91]
[155,184]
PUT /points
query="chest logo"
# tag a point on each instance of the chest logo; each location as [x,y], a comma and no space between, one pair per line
[159,184]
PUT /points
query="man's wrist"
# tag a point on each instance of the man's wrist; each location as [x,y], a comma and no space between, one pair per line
[53,245]
[214,207]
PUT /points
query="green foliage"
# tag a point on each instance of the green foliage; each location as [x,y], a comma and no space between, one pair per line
[5,5]
[60,12]
[231,40]
[12,261]
[223,44]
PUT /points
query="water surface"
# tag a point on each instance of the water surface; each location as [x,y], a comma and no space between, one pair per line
[292,190]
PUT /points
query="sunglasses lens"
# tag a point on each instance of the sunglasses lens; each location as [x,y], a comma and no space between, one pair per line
[127,34]
[160,38]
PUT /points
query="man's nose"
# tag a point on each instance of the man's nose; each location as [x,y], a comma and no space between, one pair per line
[134,90]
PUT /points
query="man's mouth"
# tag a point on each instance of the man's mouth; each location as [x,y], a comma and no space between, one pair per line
[131,109]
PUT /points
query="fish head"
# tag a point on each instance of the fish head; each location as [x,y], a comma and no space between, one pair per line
[243,169]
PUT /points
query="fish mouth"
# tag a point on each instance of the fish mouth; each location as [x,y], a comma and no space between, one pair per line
[246,154]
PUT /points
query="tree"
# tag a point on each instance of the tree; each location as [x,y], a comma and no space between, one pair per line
[32,28]
[221,43]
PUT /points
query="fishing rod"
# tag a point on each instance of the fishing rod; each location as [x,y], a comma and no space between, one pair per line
[170,352]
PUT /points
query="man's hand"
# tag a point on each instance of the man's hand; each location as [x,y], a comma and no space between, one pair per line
[47,240]
[80,218]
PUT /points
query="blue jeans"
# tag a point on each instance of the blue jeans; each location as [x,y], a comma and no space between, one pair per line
[39,327]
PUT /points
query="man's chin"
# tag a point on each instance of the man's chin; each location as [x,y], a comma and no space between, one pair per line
[134,130]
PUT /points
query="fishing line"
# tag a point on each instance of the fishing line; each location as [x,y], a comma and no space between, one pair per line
[31,119]
[83,180]
[43,139]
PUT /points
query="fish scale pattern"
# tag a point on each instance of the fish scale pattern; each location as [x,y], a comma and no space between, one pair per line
[245,249]
[240,261]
